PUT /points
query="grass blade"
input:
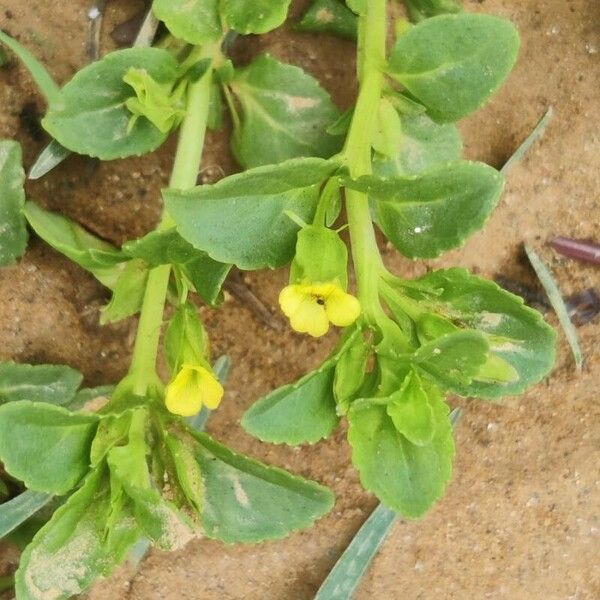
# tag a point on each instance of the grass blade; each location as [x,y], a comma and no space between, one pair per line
[343,580]
[16,511]
[147,31]
[51,156]
[42,78]
[557,302]
[346,575]
[533,137]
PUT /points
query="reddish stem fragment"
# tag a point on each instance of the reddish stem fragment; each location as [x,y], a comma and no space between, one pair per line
[583,250]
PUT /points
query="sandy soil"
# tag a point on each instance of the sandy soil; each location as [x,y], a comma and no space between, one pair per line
[521,519]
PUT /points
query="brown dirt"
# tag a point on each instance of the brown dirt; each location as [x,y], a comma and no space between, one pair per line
[521,518]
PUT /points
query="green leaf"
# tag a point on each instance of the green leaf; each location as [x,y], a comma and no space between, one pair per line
[67,237]
[16,511]
[254,202]
[74,548]
[94,119]
[246,501]
[186,340]
[13,232]
[329,16]
[453,63]
[254,16]
[423,145]
[321,256]
[45,446]
[426,214]
[350,371]
[42,78]
[405,477]
[86,395]
[346,575]
[161,248]
[388,129]
[160,520]
[55,384]
[453,360]
[128,293]
[515,333]
[187,469]
[285,114]
[357,6]
[424,9]
[302,412]
[168,247]
[194,21]
[207,276]
[411,411]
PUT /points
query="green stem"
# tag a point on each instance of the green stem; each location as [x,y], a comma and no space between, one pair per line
[365,254]
[185,173]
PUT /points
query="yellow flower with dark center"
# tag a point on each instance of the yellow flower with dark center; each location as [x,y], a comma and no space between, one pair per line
[193,387]
[311,307]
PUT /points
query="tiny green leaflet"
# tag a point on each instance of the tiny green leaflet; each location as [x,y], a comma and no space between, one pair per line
[426,214]
[94,120]
[411,411]
[255,205]
[452,64]
[45,446]
[388,129]
[284,114]
[13,232]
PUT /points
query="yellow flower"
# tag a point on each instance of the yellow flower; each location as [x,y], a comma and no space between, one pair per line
[311,307]
[193,387]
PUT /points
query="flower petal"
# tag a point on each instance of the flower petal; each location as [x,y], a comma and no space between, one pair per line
[291,297]
[183,396]
[212,390]
[342,309]
[310,318]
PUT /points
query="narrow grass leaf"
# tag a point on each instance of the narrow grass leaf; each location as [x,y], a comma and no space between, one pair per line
[49,158]
[16,511]
[42,78]
[532,138]
[557,302]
